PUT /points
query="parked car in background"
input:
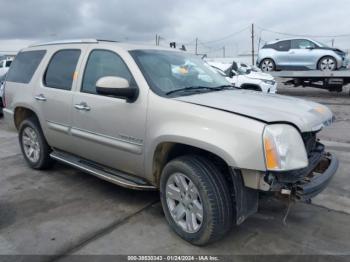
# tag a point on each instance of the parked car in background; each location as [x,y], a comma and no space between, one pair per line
[245,78]
[151,118]
[5,65]
[2,82]
[300,54]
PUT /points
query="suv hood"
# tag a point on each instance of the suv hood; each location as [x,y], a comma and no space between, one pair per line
[307,116]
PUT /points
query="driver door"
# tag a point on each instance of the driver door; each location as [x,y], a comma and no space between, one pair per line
[302,52]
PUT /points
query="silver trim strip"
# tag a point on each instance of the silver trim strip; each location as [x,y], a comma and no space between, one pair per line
[109,141]
[58,127]
[114,180]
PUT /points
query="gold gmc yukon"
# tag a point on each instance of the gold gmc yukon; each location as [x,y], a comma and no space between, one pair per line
[153,118]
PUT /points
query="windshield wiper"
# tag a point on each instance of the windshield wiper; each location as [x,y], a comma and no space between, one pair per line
[193,88]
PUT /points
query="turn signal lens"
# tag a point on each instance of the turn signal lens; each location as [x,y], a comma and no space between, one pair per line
[270,154]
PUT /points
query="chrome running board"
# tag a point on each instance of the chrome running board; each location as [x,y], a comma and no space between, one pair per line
[110,175]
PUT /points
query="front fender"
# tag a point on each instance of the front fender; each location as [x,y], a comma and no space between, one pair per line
[234,138]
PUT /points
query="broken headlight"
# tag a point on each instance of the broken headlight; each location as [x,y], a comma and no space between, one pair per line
[284,148]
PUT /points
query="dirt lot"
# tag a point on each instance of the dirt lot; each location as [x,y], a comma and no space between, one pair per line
[64,211]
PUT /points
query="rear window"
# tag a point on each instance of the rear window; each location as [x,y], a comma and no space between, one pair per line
[60,71]
[24,66]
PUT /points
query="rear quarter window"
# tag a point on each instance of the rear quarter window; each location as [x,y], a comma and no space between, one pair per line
[24,66]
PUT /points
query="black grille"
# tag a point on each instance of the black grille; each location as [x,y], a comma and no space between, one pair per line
[309,141]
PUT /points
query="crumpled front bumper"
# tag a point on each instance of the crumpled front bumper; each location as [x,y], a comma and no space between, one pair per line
[318,179]
[307,182]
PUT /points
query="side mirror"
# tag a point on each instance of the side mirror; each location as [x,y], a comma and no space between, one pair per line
[116,86]
[309,47]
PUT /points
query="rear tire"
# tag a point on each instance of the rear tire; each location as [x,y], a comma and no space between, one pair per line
[267,65]
[212,195]
[34,146]
[327,63]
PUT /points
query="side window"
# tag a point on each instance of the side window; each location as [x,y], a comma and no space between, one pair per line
[302,44]
[103,63]
[24,66]
[282,45]
[60,71]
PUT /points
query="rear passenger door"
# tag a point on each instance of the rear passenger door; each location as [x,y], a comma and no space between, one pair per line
[109,130]
[54,96]
[282,55]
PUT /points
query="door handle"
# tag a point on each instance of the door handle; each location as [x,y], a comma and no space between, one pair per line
[82,106]
[40,97]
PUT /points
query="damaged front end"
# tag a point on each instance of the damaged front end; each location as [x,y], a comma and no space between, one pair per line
[298,185]
[304,184]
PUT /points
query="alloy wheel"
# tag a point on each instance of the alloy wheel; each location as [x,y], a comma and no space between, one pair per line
[327,64]
[267,65]
[31,144]
[184,202]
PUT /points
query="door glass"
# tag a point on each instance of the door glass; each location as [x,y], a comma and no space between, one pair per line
[60,71]
[302,44]
[103,63]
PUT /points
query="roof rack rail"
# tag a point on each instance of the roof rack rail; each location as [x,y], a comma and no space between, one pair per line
[108,40]
[69,41]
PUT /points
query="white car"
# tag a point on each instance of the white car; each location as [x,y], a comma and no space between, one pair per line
[2,80]
[245,77]
[5,65]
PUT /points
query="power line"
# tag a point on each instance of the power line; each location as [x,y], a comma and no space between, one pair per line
[302,35]
[228,36]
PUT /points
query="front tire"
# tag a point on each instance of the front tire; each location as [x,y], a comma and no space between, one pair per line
[35,149]
[327,63]
[267,65]
[196,199]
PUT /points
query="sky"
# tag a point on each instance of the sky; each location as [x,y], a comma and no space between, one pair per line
[216,23]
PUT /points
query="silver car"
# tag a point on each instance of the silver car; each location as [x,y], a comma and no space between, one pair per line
[151,118]
[300,54]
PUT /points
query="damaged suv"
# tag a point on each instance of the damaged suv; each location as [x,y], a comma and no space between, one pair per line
[150,118]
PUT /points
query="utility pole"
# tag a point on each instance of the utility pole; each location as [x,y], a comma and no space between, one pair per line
[223,52]
[253,60]
[196,52]
[157,39]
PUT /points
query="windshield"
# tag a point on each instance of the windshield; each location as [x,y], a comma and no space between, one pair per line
[167,71]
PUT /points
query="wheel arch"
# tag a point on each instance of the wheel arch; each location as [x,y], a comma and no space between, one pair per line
[21,113]
[324,56]
[267,57]
[166,151]
[246,198]
[249,86]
